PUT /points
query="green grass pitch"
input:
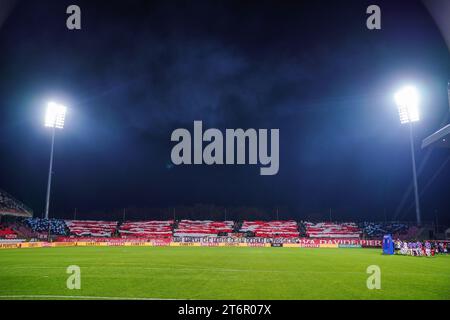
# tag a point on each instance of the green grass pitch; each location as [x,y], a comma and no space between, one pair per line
[219,273]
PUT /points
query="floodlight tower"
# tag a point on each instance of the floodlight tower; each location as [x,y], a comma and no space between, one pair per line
[54,118]
[407,100]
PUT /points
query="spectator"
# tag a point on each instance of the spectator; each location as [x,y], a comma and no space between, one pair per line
[57,227]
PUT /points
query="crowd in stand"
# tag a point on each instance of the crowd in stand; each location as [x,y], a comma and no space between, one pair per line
[203,228]
[57,227]
[146,229]
[332,230]
[217,231]
[377,230]
[271,229]
[418,248]
[88,228]
[7,232]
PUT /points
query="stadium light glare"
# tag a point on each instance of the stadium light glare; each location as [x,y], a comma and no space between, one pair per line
[407,100]
[55,115]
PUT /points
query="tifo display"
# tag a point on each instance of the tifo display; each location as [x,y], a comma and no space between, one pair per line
[37,232]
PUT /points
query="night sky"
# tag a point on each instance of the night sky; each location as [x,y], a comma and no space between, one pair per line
[139,69]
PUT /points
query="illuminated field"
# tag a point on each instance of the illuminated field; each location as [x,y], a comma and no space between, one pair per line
[219,273]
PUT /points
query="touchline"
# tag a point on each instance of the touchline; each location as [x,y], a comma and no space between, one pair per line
[235,140]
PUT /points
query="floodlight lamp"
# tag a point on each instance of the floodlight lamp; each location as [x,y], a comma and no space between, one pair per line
[55,116]
[407,101]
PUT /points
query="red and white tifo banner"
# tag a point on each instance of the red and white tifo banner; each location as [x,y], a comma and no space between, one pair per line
[113,240]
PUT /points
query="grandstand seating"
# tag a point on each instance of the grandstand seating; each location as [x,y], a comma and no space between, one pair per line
[35,227]
[86,228]
[146,229]
[332,230]
[12,206]
[38,225]
[202,228]
[378,230]
[412,233]
[24,231]
[7,232]
[271,229]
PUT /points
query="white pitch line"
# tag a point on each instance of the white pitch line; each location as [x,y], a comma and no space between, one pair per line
[78,297]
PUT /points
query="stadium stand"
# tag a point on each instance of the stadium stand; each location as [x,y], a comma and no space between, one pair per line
[57,226]
[11,206]
[332,230]
[203,228]
[413,232]
[38,228]
[146,229]
[7,232]
[87,228]
[271,229]
[378,230]
[24,231]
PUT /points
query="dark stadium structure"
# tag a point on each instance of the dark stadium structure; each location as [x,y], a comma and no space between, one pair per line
[440,138]
[9,206]
[440,11]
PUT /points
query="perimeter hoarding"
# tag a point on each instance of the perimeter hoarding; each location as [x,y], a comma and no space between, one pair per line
[301,243]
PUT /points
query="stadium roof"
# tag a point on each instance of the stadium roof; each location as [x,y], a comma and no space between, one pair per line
[439,10]
[440,138]
[16,214]
[9,206]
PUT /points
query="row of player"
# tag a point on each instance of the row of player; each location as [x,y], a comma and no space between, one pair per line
[418,248]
